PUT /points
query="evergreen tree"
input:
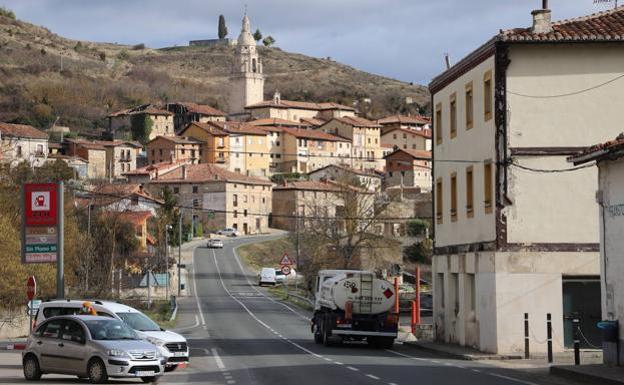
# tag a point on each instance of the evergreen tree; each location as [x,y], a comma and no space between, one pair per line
[257,35]
[268,41]
[222,28]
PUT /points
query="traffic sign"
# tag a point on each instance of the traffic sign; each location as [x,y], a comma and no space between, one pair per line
[40,204]
[286,270]
[33,306]
[286,261]
[31,287]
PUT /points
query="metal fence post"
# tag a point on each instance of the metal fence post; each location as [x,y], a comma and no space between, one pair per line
[577,341]
[549,337]
[526,336]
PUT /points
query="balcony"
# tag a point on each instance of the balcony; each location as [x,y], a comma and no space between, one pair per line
[220,160]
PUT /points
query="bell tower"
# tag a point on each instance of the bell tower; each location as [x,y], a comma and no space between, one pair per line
[246,79]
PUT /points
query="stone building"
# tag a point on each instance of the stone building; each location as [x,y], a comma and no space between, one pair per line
[219,198]
[107,159]
[93,153]
[408,168]
[185,113]
[162,120]
[246,79]
[514,235]
[215,142]
[408,122]
[307,150]
[175,149]
[20,142]
[295,111]
[344,174]
[406,137]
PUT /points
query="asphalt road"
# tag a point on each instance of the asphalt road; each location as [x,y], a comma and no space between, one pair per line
[240,336]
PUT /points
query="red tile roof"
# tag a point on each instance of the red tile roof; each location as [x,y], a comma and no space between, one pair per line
[176,140]
[135,217]
[106,194]
[21,131]
[347,169]
[403,119]
[312,134]
[301,105]
[244,128]
[209,127]
[416,154]
[307,185]
[313,121]
[201,109]
[156,167]
[102,144]
[141,109]
[602,26]
[206,172]
[277,122]
[423,133]
[356,121]
[600,151]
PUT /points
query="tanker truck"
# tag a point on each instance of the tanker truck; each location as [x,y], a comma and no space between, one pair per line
[353,305]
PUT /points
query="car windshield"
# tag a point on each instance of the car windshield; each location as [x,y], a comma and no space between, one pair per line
[110,329]
[139,321]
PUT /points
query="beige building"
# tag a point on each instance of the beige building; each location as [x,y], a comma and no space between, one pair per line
[248,148]
[408,168]
[344,174]
[162,120]
[175,149]
[408,122]
[296,111]
[93,153]
[365,138]
[107,159]
[185,113]
[219,198]
[509,238]
[215,146]
[407,138]
[246,79]
[20,142]
[307,150]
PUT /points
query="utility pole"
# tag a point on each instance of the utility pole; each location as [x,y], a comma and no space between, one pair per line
[60,276]
[167,228]
[180,253]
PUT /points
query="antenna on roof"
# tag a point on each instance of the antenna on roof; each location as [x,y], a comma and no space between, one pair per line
[607,1]
[447,60]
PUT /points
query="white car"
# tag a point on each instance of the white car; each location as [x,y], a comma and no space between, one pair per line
[171,345]
[281,277]
[228,232]
[214,244]
[267,276]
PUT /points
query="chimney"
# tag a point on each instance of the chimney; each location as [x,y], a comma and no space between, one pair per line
[541,19]
[141,188]
[184,174]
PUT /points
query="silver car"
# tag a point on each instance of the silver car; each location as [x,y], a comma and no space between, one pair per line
[214,244]
[90,347]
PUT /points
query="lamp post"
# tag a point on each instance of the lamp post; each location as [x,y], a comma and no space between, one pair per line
[167,228]
[180,253]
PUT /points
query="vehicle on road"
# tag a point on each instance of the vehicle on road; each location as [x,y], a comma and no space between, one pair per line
[92,347]
[228,232]
[281,277]
[267,277]
[214,244]
[353,305]
[171,345]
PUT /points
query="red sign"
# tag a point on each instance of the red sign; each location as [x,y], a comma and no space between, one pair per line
[40,204]
[31,288]
[286,270]
[286,260]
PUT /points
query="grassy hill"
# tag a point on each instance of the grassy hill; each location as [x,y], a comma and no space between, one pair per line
[44,76]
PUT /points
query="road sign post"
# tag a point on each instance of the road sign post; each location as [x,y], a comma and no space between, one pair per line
[31,291]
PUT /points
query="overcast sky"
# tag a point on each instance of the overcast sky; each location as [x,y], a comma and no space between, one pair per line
[402,39]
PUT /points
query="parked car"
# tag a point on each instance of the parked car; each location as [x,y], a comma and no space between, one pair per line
[214,244]
[228,232]
[90,347]
[171,346]
[281,277]
[267,276]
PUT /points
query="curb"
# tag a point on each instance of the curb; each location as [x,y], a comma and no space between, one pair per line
[462,356]
[568,373]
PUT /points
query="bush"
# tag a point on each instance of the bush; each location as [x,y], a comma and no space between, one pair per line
[138,47]
[419,252]
[199,230]
[417,227]
[102,56]
[123,55]
[7,13]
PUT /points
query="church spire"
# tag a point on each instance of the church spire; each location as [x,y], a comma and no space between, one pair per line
[245,37]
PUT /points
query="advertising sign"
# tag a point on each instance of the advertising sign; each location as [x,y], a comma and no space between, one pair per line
[40,230]
[40,201]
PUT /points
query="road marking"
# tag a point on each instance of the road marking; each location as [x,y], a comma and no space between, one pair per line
[371,376]
[392,383]
[338,363]
[476,370]
[218,359]
[188,327]
[406,356]
[512,379]
[201,313]
[352,368]
[327,359]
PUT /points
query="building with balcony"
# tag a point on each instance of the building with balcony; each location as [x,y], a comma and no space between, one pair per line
[20,142]
[175,149]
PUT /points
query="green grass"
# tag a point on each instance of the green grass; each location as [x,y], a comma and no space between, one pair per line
[160,312]
[266,254]
[277,292]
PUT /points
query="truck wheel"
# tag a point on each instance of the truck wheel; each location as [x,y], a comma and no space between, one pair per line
[318,336]
[326,333]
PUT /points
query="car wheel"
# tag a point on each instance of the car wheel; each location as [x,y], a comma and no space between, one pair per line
[152,379]
[30,365]
[97,371]
[170,368]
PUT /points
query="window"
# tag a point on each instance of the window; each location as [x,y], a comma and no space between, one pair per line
[277,143]
[182,151]
[469,193]
[245,198]
[153,152]
[487,95]
[404,136]
[453,114]
[487,186]
[454,197]
[160,151]
[176,190]
[51,330]
[235,198]
[469,107]
[72,331]
[438,123]
[196,203]
[438,198]
[235,213]
[394,136]
[195,189]
[40,149]
[245,212]
[19,151]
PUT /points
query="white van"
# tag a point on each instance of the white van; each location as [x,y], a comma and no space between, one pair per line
[171,345]
[267,277]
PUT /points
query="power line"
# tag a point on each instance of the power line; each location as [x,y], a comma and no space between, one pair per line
[552,171]
[569,93]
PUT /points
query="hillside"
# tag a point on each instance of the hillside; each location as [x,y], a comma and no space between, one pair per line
[43,75]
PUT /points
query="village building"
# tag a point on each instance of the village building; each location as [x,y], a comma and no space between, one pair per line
[147,173]
[119,197]
[218,198]
[277,122]
[307,150]
[188,112]
[295,111]
[93,153]
[246,79]
[161,120]
[215,147]
[139,220]
[609,158]
[344,174]
[514,232]
[107,159]
[80,165]
[248,148]
[20,142]
[406,138]
[408,168]
[364,135]
[408,122]
[175,149]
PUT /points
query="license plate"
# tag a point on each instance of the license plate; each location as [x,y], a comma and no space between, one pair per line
[145,373]
[179,354]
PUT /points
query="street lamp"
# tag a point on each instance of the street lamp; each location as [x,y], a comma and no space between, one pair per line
[167,228]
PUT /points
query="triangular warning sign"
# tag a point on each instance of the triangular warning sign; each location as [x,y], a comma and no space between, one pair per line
[286,260]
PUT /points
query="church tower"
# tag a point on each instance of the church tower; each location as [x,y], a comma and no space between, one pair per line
[246,80]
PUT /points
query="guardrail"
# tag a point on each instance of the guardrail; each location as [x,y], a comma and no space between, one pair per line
[301,298]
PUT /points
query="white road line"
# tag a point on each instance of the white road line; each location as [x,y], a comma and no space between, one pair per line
[188,327]
[338,363]
[476,370]
[371,376]
[327,359]
[391,383]
[512,379]
[218,359]
[406,356]
[201,313]
[352,368]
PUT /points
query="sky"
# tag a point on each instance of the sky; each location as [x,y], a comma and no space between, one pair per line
[401,39]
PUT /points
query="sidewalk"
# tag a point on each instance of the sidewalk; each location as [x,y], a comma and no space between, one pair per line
[593,374]
[459,352]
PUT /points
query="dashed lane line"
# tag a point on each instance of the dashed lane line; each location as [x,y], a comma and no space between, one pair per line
[511,379]
[218,359]
[199,308]
[373,377]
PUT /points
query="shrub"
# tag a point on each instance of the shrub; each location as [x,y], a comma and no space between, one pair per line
[417,227]
[7,13]
[123,55]
[138,47]
[419,252]
[102,55]
[141,128]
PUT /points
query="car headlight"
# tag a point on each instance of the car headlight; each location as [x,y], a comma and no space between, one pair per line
[117,353]
[155,341]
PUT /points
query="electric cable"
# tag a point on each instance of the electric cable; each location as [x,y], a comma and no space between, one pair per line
[568,93]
